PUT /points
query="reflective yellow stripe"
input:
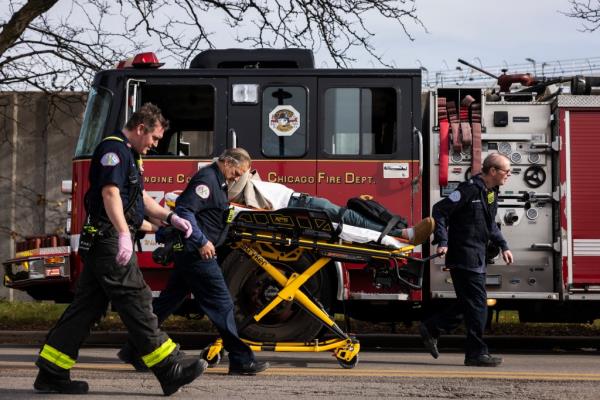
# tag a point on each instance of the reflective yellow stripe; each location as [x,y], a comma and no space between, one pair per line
[118,139]
[56,357]
[159,354]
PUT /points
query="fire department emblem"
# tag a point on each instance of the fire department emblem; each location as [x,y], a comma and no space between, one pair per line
[202,191]
[110,159]
[284,120]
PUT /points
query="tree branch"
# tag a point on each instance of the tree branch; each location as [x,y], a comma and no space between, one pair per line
[20,20]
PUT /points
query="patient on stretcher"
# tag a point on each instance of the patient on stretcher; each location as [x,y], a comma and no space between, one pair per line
[252,192]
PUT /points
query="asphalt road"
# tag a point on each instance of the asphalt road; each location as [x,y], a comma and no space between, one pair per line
[397,375]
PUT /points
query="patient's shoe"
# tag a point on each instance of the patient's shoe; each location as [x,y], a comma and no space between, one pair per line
[422,230]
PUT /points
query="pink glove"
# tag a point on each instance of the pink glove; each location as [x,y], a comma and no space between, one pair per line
[182,224]
[125,248]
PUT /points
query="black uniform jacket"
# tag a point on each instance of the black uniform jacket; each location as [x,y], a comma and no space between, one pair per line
[203,203]
[465,222]
[114,163]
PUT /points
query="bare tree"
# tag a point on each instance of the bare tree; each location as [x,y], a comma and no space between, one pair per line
[586,11]
[54,46]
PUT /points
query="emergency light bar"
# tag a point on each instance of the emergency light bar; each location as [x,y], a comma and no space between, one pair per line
[141,60]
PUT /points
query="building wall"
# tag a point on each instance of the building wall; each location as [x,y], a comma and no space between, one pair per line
[38,134]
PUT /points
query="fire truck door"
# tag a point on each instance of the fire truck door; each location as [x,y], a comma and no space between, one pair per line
[366,142]
[274,118]
[579,131]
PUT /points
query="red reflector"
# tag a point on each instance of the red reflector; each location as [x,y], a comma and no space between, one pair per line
[146,60]
[53,271]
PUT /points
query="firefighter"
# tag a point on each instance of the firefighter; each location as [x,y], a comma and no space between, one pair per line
[204,203]
[464,222]
[116,203]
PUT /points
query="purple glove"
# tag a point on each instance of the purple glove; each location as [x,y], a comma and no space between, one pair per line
[125,248]
[182,224]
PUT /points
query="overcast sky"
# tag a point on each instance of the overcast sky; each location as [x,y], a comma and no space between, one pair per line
[494,31]
[483,32]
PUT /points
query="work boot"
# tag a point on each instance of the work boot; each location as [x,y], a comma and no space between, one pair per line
[422,230]
[251,368]
[484,360]
[173,373]
[429,341]
[58,382]
[129,356]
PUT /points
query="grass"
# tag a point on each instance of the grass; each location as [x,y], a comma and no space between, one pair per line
[43,315]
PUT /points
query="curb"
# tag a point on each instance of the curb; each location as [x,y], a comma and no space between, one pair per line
[370,341]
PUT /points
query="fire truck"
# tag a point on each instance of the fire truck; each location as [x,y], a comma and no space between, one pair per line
[339,133]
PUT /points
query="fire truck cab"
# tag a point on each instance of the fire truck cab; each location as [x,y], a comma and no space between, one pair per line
[337,134]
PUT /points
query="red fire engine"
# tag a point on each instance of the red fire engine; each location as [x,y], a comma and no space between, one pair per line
[351,132]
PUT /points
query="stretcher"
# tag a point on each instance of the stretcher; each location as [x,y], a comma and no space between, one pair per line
[284,235]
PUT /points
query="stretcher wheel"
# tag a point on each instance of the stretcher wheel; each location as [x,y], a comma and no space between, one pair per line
[214,361]
[349,364]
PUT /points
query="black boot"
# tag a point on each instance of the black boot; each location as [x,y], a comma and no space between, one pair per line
[128,355]
[174,372]
[58,382]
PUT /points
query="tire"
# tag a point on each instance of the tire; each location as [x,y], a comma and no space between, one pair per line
[252,289]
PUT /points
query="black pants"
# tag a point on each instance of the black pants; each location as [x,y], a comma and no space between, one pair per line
[471,305]
[204,279]
[101,281]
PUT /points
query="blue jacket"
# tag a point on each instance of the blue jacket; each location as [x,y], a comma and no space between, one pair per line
[465,222]
[204,203]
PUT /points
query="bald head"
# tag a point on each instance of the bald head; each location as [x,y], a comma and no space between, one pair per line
[495,160]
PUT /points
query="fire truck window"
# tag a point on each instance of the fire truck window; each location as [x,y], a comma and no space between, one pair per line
[284,121]
[94,121]
[360,121]
[191,143]
[191,114]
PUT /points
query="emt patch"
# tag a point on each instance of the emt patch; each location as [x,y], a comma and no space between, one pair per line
[110,159]
[202,191]
[454,196]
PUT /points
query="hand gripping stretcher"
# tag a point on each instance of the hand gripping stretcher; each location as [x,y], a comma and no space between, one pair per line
[284,235]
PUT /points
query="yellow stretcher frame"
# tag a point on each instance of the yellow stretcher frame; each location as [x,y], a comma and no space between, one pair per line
[345,348]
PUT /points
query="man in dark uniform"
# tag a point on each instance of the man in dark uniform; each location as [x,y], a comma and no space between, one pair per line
[116,203]
[464,223]
[204,203]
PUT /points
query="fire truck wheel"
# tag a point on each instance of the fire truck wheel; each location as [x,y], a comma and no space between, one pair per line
[252,289]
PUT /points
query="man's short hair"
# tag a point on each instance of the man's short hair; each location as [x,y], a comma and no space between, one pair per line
[236,156]
[149,115]
[492,160]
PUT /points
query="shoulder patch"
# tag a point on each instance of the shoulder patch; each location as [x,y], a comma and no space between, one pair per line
[202,191]
[110,159]
[454,196]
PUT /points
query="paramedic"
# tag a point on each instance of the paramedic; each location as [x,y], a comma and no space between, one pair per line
[204,204]
[465,221]
[116,206]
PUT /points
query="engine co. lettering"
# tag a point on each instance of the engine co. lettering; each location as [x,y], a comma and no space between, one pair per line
[158,179]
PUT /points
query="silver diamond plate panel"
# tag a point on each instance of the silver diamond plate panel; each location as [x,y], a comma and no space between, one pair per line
[573,101]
